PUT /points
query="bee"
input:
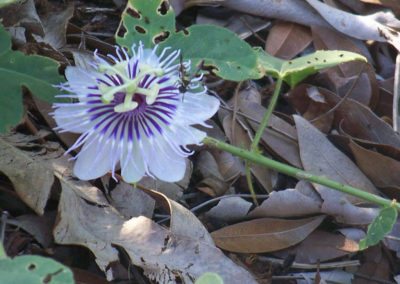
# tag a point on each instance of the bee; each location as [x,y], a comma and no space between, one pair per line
[185,77]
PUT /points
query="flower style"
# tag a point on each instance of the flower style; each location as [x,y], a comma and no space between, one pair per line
[132,115]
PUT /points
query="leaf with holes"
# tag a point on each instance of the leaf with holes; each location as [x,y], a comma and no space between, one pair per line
[18,70]
[294,71]
[153,22]
[380,227]
[34,269]
[145,21]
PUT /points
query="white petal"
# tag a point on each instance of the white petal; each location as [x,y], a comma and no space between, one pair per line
[184,135]
[73,119]
[94,160]
[164,163]
[132,165]
[195,109]
[80,79]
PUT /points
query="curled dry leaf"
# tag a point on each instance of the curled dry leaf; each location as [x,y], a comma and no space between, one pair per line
[213,182]
[291,202]
[230,209]
[183,222]
[321,246]
[162,255]
[320,157]
[360,122]
[55,27]
[32,180]
[361,27]
[264,235]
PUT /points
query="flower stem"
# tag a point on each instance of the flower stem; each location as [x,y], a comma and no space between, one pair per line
[299,174]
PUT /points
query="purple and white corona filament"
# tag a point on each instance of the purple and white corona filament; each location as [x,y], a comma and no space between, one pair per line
[132,116]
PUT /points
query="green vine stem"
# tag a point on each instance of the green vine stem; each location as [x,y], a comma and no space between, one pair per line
[299,174]
[259,133]
[267,115]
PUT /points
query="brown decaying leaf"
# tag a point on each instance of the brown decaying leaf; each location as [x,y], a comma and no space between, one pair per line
[321,246]
[320,157]
[382,170]
[286,40]
[291,202]
[376,265]
[40,227]
[264,235]
[32,180]
[162,255]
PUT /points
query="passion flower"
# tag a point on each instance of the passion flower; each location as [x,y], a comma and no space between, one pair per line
[133,115]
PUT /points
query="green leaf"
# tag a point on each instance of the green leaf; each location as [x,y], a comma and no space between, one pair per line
[143,21]
[18,70]
[34,270]
[380,227]
[4,3]
[294,71]
[230,57]
[268,64]
[209,278]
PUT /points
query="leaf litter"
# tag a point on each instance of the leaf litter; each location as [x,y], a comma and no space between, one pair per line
[326,126]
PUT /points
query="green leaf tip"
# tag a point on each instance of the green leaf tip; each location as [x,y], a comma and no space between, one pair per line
[209,278]
[37,73]
[296,70]
[380,227]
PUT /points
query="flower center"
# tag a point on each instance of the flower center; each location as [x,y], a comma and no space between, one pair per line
[130,86]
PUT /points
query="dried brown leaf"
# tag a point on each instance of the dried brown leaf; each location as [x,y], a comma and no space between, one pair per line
[264,235]
[286,40]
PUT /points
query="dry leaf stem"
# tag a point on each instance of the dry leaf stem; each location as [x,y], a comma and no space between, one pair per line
[298,173]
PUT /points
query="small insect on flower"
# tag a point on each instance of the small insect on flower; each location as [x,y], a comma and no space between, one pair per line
[131,115]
